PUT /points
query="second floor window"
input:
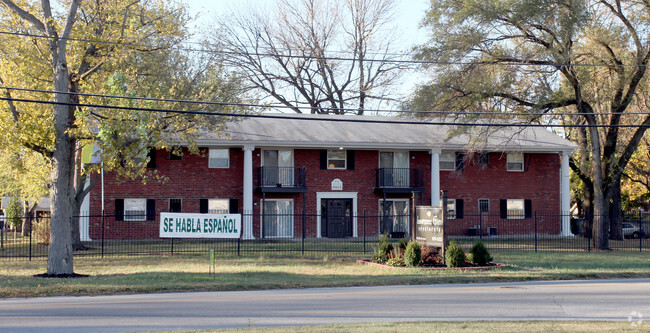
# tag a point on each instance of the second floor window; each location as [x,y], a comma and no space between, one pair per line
[336,159]
[219,158]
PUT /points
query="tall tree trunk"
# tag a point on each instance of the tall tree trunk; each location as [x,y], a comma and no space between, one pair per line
[28,217]
[59,261]
[616,218]
[601,210]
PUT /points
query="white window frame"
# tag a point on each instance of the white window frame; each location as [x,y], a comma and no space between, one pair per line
[131,203]
[451,209]
[215,203]
[479,205]
[445,159]
[510,210]
[290,216]
[515,162]
[344,159]
[408,208]
[212,165]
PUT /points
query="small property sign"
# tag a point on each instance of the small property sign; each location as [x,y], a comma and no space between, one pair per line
[429,226]
[188,225]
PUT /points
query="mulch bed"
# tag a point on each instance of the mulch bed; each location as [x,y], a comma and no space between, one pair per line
[483,268]
[61,276]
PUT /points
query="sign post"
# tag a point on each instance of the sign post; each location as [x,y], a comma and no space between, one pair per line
[213,270]
[430,226]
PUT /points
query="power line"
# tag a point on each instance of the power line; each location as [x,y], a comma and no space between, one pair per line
[311,108]
[310,57]
[332,119]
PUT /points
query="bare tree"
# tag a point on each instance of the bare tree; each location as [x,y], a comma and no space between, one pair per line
[325,56]
[584,57]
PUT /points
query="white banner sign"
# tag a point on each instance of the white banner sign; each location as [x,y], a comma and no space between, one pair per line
[194,225]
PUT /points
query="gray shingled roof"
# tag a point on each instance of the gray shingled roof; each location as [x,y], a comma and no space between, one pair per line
[373,132]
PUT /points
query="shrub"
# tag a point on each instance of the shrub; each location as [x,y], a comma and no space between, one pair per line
[403,243]
[14,213]
[383,249]
[412,254]
[41,231]
[396,262]
[454,255]
[479,255]
[430,256]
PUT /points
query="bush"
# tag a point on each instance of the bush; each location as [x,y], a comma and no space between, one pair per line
[454,255]
[396,262]
[430,256]
[403,243]
[14,213]
[383,249]
[41,231]
[479,255]
[412,254]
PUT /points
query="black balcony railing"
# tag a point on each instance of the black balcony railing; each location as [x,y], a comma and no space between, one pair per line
[400,178]
[281,179]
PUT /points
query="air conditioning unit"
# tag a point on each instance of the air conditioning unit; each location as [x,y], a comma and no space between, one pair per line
[492,231]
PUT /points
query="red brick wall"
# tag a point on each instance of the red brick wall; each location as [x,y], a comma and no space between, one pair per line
[192,180]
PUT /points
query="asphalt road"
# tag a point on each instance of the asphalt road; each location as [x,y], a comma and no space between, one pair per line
[554,300]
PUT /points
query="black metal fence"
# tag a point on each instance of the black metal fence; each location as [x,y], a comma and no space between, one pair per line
[298,234]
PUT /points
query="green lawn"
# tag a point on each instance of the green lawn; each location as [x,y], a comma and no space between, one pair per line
[190,273]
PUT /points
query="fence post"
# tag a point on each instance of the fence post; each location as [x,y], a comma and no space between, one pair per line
[172,247]
[30,238]
[103,226]
[535,231]
[641,232]
[480,226]
[590,224]
[364,231]
[303,230]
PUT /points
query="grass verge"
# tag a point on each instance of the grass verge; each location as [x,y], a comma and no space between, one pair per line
[462,327]
[190,273]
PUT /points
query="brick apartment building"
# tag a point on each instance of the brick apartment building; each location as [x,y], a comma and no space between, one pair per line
[338,168]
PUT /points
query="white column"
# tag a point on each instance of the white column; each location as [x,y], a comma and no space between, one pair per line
[248,192]
[84,216]
[565,194]
[435,177]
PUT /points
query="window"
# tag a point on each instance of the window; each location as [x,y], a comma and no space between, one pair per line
[336,159]
[483,205]
[515,161]
[515,208]
[277,218]
[219,158]
[455,209]
[277,168]
[176,154]
[175,205]
[151,154]
[448,161]
[483,158]
[218,206]
[135,209]
[394,168]
[394,216]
